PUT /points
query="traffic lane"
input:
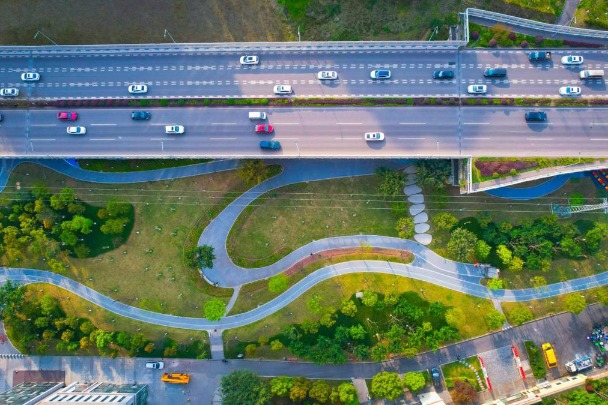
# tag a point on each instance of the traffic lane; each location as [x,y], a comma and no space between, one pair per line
[13,132]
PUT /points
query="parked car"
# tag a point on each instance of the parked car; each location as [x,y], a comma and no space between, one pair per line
[140,115]
[327,75]
[436,377]
[443,74]
[174,129]
[273,145]
[9,92]
[30,76]
[572,60]
[76,130]
[67,116]
[477,89]
[495,72]
[374,136]
[570,91]
[138,89]
[281,89]
[380,74]
[257,115]
[264,129]
[536,116]
[157,365]
[250,60]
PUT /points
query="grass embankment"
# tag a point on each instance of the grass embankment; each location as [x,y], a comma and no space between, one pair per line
[468,209]
[331,293]
[592,14]
[254,294]
[287,218]
[458,371]
[489,168]
[135,165]
[147,271]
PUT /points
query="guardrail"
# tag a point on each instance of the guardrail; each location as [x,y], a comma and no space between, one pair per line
[539,26]
[230,47]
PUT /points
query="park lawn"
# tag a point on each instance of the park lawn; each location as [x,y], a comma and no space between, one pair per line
[148,270]
[135,165]
[334,290]
[468,207]
[289,217]
[257,293]
[74,305]
[592,14]
[458,371]
[544,6]
[554,305]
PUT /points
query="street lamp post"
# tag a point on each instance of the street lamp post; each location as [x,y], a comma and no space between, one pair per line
[46,36]
[168,34]
[299,34]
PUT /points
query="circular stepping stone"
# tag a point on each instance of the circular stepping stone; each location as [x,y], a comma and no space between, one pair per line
[413,189]
[416,199]
[411,179]
[411,169]
[416,209]
[421,218]
[423,238]
[422,228]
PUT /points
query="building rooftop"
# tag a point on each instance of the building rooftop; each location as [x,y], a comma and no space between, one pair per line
[25,392]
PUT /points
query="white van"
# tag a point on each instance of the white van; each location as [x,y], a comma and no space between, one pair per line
[256,115]
[591,74]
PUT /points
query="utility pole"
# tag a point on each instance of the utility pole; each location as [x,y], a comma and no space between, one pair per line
[167,33]
[46,36]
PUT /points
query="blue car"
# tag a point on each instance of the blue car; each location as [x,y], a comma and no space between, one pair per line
[273,145]
[140,115]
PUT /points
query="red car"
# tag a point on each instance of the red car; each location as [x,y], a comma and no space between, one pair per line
[69,116]
[264,129]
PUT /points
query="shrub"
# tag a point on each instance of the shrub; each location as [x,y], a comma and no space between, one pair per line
[524,44]
[538,39]
[492,43]
[512,36]
[536,360]
[474,35]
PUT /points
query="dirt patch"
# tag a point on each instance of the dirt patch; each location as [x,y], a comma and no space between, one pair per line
[329,254]
[488,168]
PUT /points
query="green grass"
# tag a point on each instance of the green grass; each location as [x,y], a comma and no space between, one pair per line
[536,360]
[503,37]
[542,163]
[289,217]
[333,291]
[458,371]
[138,165]
[148,271]
[544,6]
[592,14]
[254,294]
[74,305]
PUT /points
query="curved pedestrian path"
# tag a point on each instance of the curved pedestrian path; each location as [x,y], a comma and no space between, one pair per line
[427,265]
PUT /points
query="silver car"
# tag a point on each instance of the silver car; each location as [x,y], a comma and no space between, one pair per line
[250,60]
[174,129]
[76,130]
[283,89]
[570,91]
[477,89]
[374,136]
[30,76]
[327,75]
[138,89]
[9,92]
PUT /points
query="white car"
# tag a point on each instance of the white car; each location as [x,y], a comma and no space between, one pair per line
[174,129]
[477,89]
[157,365]
[570,91]
[138,88]
[250,60]
[9,92]
[572,60]
[283,89]
[30,77]
[327,75]
[374,136]
[380,74]
[76,130]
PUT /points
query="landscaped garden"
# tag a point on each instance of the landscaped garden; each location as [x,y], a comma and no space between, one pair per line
[136,165]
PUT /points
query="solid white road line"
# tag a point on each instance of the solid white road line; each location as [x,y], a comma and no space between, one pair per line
[411,138]
[412,123]
[599,139]
[42,139]
[475,123]
[162,139]
[539,139]
[349,123]
[477,139]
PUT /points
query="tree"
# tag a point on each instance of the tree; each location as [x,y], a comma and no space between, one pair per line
[495,319]
[495,284]
[114,226]
[280,386]
[414,381]
[387,385]
[516,264]
[244,387]
[454,316]
[464,393]
[200,257]
[78,223]
[461,245]
[445,221]
[357,332]
[433,173]
[253,171]
[347,393]
[570,248]
[504,254]
[314,304]
[539,281]
[328,318]
[300,388]
[114,208]
[482,250]
[214,309]
[12,296]
[369,298]
[87,327]
[520,315]
[67,335]
[348,307]
[575,303]
[278,283]
[405,227]
[391,298]
[320,391]
[276,345]
[49,305]
[392,181]
[379,352]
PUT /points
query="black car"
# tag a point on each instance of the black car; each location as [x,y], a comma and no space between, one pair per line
[436,377]
[495,72]
[443,74]
[536,116]
[140,115]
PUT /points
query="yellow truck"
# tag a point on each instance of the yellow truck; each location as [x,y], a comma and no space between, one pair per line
[176,378]
[549,353]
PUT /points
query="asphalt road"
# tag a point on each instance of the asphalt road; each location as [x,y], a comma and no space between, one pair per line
[219,74]
[308,132]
